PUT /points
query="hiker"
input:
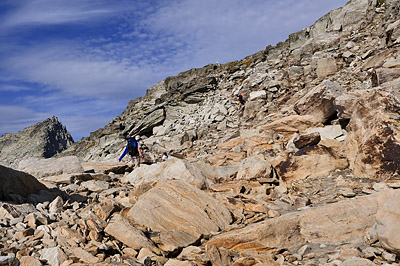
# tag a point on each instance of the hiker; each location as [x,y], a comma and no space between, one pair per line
[164,157]
[240,98]
[133,147]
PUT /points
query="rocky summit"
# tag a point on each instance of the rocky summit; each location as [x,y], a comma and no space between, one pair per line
[305,172]
[42,140]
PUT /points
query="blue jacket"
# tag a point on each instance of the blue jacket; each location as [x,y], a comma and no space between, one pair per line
[125,151]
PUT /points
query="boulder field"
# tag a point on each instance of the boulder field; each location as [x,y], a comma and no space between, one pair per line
[306,172]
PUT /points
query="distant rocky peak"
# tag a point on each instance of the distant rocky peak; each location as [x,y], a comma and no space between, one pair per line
[42,140]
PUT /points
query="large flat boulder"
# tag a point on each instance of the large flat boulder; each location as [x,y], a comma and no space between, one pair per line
[375,61]
[326,67]
[338,223]
[177,206]
[319,102]
[331,132]
[51,167]
[17,182]
[310,162]
[120,228]
[383,75]
[291,124]
[254,167]
[173,168]
[146,125]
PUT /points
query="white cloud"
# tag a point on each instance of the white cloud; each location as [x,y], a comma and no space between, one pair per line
[58,68]
[14,88]
[47,12]
[15,118]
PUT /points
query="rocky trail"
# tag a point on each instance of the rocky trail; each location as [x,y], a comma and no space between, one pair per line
[305,173]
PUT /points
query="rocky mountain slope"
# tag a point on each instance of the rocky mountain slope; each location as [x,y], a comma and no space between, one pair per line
[305,173]
[192,112]
[43,140]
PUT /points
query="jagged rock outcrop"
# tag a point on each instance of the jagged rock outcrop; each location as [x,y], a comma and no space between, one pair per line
[42,140]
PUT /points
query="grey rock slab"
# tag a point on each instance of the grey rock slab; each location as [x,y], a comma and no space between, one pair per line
[51,167]
[56,206]
[54,256]
[95,185]
[254,167]
[395,63]
[388,220]
[9,260]
[257,95]
[347,54]
[326,66]
[172,241]
[328,132]
[384,75]
[357,262]
[122,230]
[173,168]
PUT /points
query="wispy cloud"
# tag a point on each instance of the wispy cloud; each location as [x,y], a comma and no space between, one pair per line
[13,88]
[44,12]
[59,68]
[16,118]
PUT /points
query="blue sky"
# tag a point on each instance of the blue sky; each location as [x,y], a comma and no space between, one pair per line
[83,60]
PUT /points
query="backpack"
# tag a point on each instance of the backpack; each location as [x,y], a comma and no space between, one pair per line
[133,147]
[240,98]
